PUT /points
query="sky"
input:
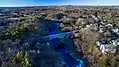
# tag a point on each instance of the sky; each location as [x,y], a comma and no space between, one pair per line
[16,3]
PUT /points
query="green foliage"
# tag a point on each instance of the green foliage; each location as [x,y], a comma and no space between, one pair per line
[26,61]
[18,58]
[22,57]
[17,32]
[113,62]
[103,61]
[108,60]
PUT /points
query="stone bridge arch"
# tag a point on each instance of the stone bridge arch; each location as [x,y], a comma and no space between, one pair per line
[66,39]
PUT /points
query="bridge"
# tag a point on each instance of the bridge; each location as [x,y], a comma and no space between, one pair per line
[62,42]
[64,46]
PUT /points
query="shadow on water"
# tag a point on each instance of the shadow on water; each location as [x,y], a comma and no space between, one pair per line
[62,43]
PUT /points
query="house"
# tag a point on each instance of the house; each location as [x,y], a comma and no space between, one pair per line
[94,17]
[101,29]
[88,26]
[98,43]
[116,30]
[109,25]
[102,42]
[106,47]
[103,23]
[115,42]
[109,48]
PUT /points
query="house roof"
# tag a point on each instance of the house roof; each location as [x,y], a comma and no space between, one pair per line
[110,46]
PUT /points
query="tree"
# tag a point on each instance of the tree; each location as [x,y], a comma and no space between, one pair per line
[103,61]
[113,61]
[21,58]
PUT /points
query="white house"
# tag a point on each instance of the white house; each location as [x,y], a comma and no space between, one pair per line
[98,43]
[115,42]
[111,48]
[101,30]
[103,23]
[109,25]
[88,26]
[116,30]
[108,48]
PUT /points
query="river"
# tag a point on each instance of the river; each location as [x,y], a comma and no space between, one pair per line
[61,42]
[65,49]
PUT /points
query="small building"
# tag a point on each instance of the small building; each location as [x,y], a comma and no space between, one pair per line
[108,48]
[102,42]
[115,42]
[116,30]
[98,43]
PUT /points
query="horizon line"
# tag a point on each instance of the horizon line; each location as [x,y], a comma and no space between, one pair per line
[57,5]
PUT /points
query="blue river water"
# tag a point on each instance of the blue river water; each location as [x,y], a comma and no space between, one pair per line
[61,48]
[54,29]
